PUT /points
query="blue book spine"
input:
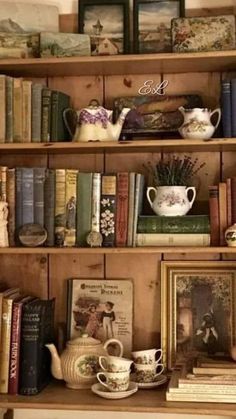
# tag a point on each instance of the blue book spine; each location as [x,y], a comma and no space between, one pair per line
[27,195]
[226,108]
[233,107]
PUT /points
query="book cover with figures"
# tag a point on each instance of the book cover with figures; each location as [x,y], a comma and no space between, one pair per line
[101,308]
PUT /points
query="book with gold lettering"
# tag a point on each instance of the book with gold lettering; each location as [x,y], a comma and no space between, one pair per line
[18,108]
[71,207]
[26,110]
[60,207]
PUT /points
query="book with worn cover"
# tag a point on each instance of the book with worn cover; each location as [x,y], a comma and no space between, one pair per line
[2,108]
[36,112]
[138,203]
[84,207]
[214,215]
[131,209]
[39,179]
[11,199]
[108,209]
[71,207]
[176,239]
[49,206]
[223,211]
[9,109]
[226,106]
[186,224]
[59,102]
[60,207]
[26,110]
[46,115]
[27,190]
[17,110]
[122,209]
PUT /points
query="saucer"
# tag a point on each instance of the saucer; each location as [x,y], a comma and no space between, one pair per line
[114,395]
[161,379]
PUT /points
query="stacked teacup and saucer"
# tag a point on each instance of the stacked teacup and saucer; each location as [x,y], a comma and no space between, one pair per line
[114,379]
[148,368]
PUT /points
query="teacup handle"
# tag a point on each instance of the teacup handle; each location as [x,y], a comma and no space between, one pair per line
[158,350]
[149,189]
[218,110]
[100,360]
[193,189]
[101,374]
[161,371]
[110,341]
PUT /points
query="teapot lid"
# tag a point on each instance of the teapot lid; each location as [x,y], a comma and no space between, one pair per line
[84,340]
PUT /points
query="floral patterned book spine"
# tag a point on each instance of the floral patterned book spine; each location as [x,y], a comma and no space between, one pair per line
[108,210]
[71,199]
[96,197]
[122,209]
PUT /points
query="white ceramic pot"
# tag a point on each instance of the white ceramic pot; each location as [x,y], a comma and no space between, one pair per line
[171,200]
[197,123]
[230,236]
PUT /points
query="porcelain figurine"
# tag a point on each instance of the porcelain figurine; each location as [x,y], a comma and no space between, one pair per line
[171,200]
[79,362]
[230,236]
[197,123]
[4,242]
[94,123]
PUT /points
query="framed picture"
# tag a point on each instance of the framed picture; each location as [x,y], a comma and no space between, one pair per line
[152,24]
[107,24]
[101,308]
[198,310]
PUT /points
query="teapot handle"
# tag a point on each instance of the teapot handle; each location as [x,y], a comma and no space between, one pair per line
[64,115]
[110,341]
[193,189]
[149,189]
[218,110]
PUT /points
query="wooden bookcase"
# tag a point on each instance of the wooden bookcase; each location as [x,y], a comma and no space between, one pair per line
[44,271]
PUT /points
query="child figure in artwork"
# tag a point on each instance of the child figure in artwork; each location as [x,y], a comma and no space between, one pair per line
[108,317]
[93,324]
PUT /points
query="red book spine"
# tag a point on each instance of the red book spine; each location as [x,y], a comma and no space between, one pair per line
[15,348]
[233,193]
[229,202]
[214,215]
[122,209]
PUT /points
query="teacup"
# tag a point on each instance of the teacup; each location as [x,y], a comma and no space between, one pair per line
[147,357]
[147,373]
[114,381]
[114,364]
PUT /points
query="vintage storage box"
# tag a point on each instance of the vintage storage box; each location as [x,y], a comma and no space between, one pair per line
[59,44]
[215,33]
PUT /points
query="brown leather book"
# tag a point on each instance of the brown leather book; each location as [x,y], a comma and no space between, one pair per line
[122,209]
[214,215]
[223,211]
[233,193]
[229,201]
[11,199]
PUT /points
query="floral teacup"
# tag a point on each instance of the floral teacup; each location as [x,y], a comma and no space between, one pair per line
[114,381]
[147,373]
[114,364]
[147,357]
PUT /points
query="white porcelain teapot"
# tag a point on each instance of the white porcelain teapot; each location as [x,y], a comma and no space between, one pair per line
[197,123]
[94,123]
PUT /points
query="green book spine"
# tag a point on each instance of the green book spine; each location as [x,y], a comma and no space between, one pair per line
[184,224]
[46,115]
[84,207]
[49,205]
[36,112]
[60,102]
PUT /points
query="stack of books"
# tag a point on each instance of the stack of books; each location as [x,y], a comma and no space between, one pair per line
[31,112]
[26,325]
[206,380]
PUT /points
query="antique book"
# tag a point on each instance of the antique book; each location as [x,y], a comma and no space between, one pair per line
[59,102]
[39,179]
[122,209]
[11,199]
[131,208]
[108,210]
[46,115]
[214,215]
[64,44]
[71,207]
[19,45]
[233,194]
[2,108]
[229,201]
[187,224]
[17,113]
[18,201]
[96,202]
[9,109]
[4,293]
[27,190]
[35,359]
[49,206]
[226,107]
[3,189]
[233,106]
[177,239]
[36,112]
[60,206]
[26,110]
[102,308]
[138,203]
[226,370]
[84,207]
[223,211]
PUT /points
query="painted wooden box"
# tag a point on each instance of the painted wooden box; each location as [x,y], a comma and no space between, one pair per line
[54,44]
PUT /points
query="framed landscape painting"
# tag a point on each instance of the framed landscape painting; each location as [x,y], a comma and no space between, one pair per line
[107,24]
[152,24]
[198,310]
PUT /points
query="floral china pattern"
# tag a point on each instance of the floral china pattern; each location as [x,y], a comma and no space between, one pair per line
[88,366]
[193,125]
[107,217]
[117,384]
[100,117]
[144,360]
[145,376]
[170,199]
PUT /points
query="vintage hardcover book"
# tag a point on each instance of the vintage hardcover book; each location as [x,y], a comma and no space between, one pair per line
[64,44]
[60,206]
[226,106]
[39,179]
[215,361]
[19,212]
[11,199]
[233,107]
[223,211]
[227,370]
[49,206]
[108,209]
[122,209]
[177,239]
[84,207]
[36,331]
[17,110]
[102,308]
[26,110]
[27,189]
[229,201]
[71,207]
[36,112]
[3,177]
[96,202]
[46,115]
[185,224]
[4,293]
[131,208]
[214,215]
[2,108]
[59,102]
[9,109]
[233,194]
[138,203]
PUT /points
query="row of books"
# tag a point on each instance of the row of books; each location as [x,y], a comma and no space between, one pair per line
[31,112]
[26,325]
[71,204]
[211,380]
[228,106]
[222,203]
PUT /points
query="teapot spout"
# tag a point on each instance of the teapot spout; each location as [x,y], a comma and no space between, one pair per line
[56,369]
[117,127]
[182,110]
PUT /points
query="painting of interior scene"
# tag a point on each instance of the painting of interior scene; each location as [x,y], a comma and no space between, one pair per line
[105,26]
[154,23]
[204,315]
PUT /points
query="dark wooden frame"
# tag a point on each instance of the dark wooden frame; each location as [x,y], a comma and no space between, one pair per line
[136,17]
[124,3]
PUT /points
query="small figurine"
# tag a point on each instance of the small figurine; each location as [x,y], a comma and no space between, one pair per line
[4,242]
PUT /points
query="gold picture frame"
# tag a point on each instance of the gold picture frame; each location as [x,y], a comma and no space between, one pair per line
[198,310]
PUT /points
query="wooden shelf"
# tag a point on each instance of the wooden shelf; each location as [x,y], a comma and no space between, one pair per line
[122,64]
[57,396]
[158,145]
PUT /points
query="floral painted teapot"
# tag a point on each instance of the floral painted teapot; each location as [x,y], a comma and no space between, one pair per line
[94,123]
[197,123]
